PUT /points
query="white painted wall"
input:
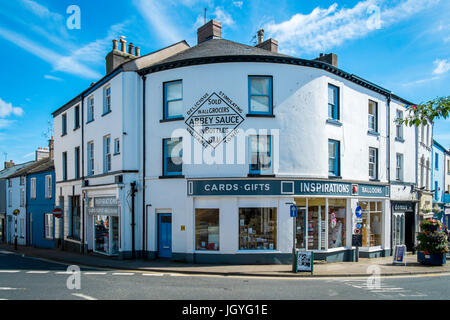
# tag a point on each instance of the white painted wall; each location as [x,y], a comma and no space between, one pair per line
[15,204]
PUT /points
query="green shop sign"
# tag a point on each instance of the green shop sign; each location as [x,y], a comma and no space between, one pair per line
[265,187]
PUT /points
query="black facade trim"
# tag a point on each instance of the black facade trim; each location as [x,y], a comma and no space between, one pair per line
[272,59]
[373,133]
[180,176]
[256,175]
[111,173]
[253,115]
[170,120]
[71,180]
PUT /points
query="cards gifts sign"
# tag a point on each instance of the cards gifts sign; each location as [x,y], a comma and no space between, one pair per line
[213,119]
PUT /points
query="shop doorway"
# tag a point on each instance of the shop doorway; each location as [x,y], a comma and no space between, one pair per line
[165,235]
[409,231]
[2,230]
[398,229]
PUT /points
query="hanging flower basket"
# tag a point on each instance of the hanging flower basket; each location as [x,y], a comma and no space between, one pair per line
[432,240]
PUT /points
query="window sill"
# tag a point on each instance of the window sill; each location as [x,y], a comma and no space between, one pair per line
[243,251]
[171,119]
[373,133]
[252,175]
[105,113]
[116,154]
[73,238]
[90,121]
[334,122]
[399,140]
[179,176]
[74,129]
[374,180]
[262,115]
[334,177]
[64,134]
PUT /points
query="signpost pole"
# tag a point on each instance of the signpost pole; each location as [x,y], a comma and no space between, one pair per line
[15,233]
[294,240]
[357,254]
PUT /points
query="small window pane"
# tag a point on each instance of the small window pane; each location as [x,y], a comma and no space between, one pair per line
[207,229]
[174,91]
[260,103]
[331,95]
[175,108]
[260,86]
[257,228]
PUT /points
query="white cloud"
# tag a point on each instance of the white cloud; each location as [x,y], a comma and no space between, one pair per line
[29,155]
[238,4]
[442,66]
[5,123]
[7,109]
[420,81]
[223,16]
[50,77]
[323,29]
[158,21]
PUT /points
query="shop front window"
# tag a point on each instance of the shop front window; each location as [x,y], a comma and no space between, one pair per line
[207,229]
[114,235]
[300,223]
[257,228]
[371,229]
[316,224]
[101,238]
[336,223]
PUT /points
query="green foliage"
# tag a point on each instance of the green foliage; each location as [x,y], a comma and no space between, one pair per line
[433,237]
[427,112]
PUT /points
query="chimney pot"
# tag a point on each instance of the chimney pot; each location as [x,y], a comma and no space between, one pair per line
[210,30]
[130,48]
[260,36]
[137,51]
[115,44]
[123,44]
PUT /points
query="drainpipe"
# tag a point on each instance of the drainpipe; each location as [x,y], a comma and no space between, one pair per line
[83,208]
[144,211]
[388,105]
[133,193]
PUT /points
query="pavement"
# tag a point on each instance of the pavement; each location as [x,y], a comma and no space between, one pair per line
[363,268]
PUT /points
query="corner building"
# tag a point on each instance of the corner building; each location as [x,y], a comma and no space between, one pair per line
[288,131]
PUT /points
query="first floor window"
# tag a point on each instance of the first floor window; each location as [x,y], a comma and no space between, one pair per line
[398,126]
[372,223]
[116,146]
[10,198]
[22,228]
[22,197]
[173,99]
[260,154]
[90,156]
[33,188]
[173,156]
[260,95]
[64,165]
[77,162]
[436,191]
[373,106]
[333,158]
[49,226]
[64,124]
[48,186]
[207,229]
[257,228]
[106,154]
[333,102]
[373,163]
[399,167]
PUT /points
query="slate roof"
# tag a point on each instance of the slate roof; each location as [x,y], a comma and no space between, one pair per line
[26,169]
[5,173]
[47,165]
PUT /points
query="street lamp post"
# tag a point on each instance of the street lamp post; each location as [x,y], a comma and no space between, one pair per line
[15,213]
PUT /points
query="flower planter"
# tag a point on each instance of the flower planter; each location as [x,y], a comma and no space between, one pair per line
[432,259]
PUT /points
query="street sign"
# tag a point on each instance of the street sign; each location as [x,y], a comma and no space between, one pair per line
[356,240]
[305,261]
[293,211]
[16,212]
[57,212]
[358,212]
[399,254]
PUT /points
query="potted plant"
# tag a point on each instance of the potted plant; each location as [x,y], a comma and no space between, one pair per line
[432,239]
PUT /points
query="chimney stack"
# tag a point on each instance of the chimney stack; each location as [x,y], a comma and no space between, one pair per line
[42,153]
[117,57]
[9,164]
[210,30]
[329,58]
[269,45]
[51,148]
[260,36]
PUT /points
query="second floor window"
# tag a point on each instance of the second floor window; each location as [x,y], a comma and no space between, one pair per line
[260,95]
[116,146]
[399,167]
[64,124]
[373,163]
[333,102]
[90,158]
[333,158]
[106,154]
[90,109]
[173,99]
[260,154]
[33,188]
[398,126]
[22,197]
[373,107]
[64,166]
[48,187]
[10,198]
[22,180]
[76,117]
[107,100]
[172,157]
[436,165]
[77,162]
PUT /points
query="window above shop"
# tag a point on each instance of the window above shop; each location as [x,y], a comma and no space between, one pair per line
[173,100]
[333,102]
[260,154]
[333,158]
[373,163]
[373,116]
[260,91]
[172,157]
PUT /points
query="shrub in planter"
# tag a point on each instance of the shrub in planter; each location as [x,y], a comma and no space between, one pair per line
[432,240]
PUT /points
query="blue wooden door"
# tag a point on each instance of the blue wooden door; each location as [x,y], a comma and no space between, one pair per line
[165,235]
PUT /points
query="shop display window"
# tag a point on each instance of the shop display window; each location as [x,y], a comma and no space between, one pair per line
[372,223]
[336,223]
[257,228]
[316,224]
[301,223]
[101,237]
[207,229]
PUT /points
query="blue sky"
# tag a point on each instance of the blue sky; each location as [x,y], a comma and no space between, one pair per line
[401,45]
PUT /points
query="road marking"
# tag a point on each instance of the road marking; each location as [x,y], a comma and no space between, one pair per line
[153,274]
[6,252]
[8,288]
[122,273]
[63,272]
[80,295]
[178,275]
[94,273]
[9,271]
[3,299]
[38,272]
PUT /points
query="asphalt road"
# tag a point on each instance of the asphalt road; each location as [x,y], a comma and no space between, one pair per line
[27,278]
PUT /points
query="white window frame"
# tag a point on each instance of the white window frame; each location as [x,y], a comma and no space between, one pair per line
[107,99]
[90,159]
[399,127]
[269,169]
[90,109]
[48,187]
[372,118]
[107,153]
[33,188]
[10,198]
[22,197]
[116,146]
[374,163]
[48,226]
[399,167]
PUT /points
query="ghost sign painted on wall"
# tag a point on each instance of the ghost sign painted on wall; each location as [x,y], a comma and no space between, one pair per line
[214,119]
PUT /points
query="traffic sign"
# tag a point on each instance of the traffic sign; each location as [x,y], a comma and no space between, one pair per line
[293,211]
[358,212]
[57,212]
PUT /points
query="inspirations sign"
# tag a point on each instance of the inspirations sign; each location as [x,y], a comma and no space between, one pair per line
[264,187]
[214,119]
